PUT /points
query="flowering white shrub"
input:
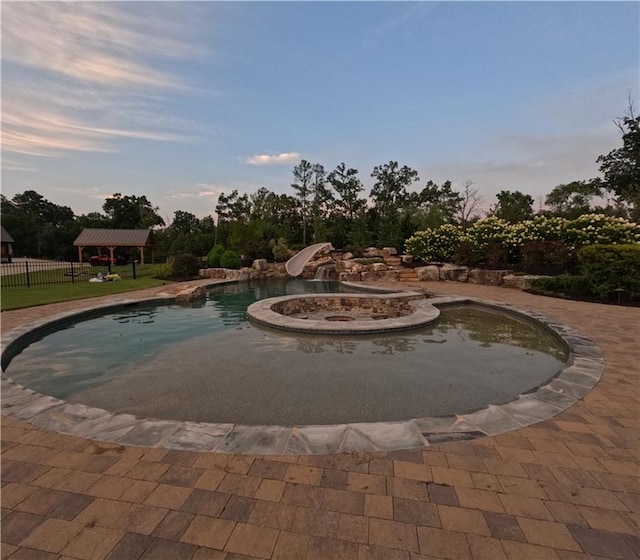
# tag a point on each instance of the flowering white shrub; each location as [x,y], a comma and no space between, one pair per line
[440,244]
[435,244]
[489,230]
[590,229]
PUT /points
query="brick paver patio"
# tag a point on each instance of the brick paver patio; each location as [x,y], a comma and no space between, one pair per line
[567,488]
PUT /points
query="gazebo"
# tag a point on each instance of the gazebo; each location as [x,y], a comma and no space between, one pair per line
[7,247]
[113,238]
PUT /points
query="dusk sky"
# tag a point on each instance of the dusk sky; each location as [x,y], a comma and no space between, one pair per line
[180,101]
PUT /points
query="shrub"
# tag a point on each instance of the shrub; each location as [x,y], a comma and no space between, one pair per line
[547,257]
[489,230]
[565,284]
[230,259]
[279,249]
[465,254]
[163,271]
[213,258]
[256,249]
[184,264]
[486,240]
[609,267]
[496,255]
[591,229]
[435,244]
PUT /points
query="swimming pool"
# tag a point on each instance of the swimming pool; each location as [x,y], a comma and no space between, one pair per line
[154,367]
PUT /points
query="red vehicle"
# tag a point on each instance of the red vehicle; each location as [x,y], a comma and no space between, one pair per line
[103,260]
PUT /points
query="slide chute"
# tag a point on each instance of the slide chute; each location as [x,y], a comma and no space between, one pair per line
[295,265]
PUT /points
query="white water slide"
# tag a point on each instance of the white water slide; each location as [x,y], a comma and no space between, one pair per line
[295,265]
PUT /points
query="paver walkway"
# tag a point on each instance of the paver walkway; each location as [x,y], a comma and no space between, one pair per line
[567,488]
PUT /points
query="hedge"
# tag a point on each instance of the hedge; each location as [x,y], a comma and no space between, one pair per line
[611,267]
[493,239]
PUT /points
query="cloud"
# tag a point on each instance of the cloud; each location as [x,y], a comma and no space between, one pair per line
[41,132]
[13,165]
[89,42]
[407,19]
[530,163]
[273,159]
[209,191]
[78,77]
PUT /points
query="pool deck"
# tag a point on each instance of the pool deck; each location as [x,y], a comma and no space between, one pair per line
[567,488]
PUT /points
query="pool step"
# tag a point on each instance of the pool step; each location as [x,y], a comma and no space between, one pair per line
[408,275]
[393,261]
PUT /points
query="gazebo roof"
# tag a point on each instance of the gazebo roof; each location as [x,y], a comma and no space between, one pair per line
[93,237]
[5,237]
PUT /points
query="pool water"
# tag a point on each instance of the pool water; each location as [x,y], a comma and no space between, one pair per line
[209,364]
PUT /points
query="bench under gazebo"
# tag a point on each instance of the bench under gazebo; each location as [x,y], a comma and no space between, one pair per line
[111,239]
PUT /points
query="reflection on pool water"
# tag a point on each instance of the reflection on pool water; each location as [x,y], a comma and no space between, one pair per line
[209,364]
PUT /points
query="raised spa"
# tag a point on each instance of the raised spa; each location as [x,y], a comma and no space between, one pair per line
[356,314]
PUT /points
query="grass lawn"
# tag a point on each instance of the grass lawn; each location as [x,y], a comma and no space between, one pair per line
[16,298]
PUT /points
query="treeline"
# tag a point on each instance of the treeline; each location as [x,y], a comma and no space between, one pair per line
[325,206]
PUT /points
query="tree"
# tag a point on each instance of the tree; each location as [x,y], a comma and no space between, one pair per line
[391,184]
[468,204]
[321,202]
[206,224]
[573,199]
[347,214]
[347,186]
[234,213]
[93,220]
[513,206]
[303,174]
[184,222]
[131,212]
[233,207]
[41,209]
[437,205]
[390,195]
[621,167]
[262,204]
[40,227]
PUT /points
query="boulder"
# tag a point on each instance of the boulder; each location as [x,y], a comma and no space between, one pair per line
[242,275]
[429,273]
[520,282]
[349,266]
[454,273]
[347,256]
[406,259]
[370,252]
[217,273]
[275,270]
[389,251]
[487,277]
[191,294]
[349,277]
[383,276]
[260,265]
[314,265]
[379,267]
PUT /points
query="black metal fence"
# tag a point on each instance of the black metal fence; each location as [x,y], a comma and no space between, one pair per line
[24,274]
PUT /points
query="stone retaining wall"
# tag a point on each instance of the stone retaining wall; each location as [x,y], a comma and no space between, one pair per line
[352,271]
[389,307]
[453,273]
